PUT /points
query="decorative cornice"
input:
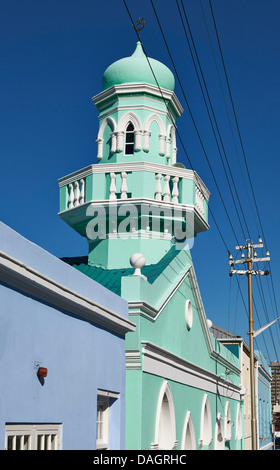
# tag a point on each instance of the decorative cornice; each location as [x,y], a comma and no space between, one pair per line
[31,282]
[136,88]
[161,362]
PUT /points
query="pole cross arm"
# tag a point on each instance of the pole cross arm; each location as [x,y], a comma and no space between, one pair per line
[254,272]
[260,330]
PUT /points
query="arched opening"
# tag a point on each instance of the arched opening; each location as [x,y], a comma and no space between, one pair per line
[206,423]
[129,139]
[165,435]
[188,440]
[238,434]
[219,433]
[228,422]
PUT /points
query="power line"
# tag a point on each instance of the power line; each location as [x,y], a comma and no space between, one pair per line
[195,126]
[178,133]
[191,117]
[213,113]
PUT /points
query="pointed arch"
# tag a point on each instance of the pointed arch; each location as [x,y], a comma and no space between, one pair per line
[126,119]
[162,133]
[165,430]
[238,433]
[228,422]
[205,423]
[100,140]
[188,438]
[157,118]
[219,434]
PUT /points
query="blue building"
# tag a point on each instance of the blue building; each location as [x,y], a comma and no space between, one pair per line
[62,353]
[263,383]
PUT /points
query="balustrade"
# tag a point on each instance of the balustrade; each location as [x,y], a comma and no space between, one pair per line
[76,193]
[166,190]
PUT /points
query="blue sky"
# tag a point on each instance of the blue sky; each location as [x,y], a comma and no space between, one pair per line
[53,55]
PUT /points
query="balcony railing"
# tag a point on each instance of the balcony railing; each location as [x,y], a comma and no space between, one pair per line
[113,182]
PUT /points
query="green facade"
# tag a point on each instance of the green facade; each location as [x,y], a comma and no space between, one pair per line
[183,387]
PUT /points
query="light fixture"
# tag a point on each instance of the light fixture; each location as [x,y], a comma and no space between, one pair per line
[42,372]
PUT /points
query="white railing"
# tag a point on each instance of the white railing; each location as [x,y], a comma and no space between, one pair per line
[168,194]
[123,188]
[76,193]
[166,189]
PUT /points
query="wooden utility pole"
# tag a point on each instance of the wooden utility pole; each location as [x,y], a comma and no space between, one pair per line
[250,258]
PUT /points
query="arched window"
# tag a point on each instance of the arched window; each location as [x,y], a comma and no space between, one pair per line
[228,423]
[129,139]
[206,423]
[238,434]
[219,433]
[188,441]
[165,432]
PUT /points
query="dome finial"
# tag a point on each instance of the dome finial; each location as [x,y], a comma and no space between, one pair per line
[140,25]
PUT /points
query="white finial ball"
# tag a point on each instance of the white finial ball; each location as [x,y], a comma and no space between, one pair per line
[137,260]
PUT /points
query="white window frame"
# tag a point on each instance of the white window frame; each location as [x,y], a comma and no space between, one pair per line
[33,436]
[104,399]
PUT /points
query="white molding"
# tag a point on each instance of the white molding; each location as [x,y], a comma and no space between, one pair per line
[24,278]
[163,363]
[188,424]
[135,166]
[133,359]
[127,88]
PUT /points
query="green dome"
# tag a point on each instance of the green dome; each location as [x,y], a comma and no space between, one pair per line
[136,69]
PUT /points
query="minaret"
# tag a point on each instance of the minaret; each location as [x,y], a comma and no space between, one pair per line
[137,198]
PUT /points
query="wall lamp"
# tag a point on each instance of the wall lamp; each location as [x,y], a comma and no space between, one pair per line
[42,372]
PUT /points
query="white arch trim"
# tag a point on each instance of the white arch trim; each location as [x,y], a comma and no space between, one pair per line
[205,423]
[188,438]
[125,119]
[219,433]
[228,422]
[238,434]
[159,121]
[165,391]
[111,122]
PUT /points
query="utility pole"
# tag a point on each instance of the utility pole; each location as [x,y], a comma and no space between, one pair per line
[250,258]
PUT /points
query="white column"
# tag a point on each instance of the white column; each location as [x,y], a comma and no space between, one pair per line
[82,192]
[99,148]
[158,187]
[175,191]
[113,142]
[137,140]
[162,139]
[166,191]
[76,193]
[146,141]
[168,147]
[113,188]
[120,141]
[71,196]
[124,185]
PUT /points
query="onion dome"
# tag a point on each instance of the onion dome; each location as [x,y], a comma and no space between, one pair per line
[137,69]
